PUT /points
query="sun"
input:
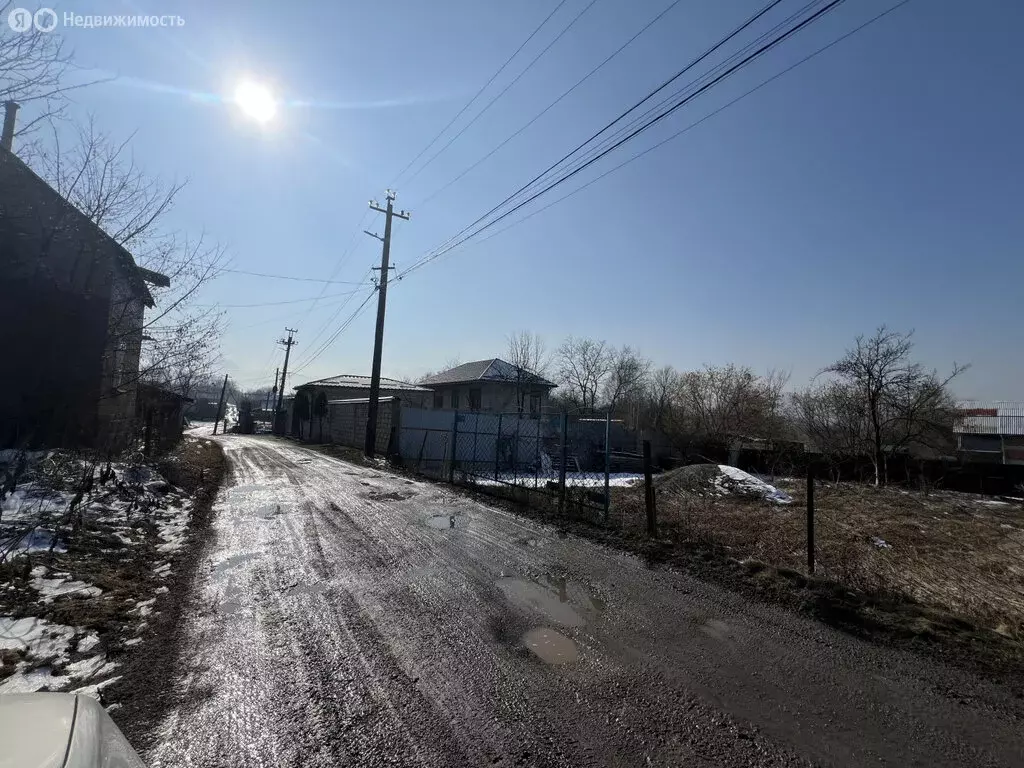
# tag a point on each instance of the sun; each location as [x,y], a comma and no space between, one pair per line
[256,101]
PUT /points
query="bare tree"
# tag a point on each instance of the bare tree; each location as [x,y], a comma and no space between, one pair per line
[901,403]
[719,402]
[583,365]
[528,360]
[662,390]
[626,380]
[35,72]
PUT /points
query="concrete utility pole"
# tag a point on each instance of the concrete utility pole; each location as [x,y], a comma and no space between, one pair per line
[220,403]
[378,340]
[287,344]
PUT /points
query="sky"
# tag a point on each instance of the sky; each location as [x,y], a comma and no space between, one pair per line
[879,182]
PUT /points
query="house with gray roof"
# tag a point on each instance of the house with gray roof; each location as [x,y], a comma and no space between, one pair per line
[489,385]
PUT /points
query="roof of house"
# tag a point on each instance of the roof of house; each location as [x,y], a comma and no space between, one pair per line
[486,370]
[19,175]
[998,418]
[352,381]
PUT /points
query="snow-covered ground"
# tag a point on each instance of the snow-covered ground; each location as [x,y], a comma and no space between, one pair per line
[572,479]
[59,520]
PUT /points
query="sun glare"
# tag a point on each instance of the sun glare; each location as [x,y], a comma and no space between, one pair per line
[255,101]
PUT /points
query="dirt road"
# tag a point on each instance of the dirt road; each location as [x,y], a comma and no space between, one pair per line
[353,617]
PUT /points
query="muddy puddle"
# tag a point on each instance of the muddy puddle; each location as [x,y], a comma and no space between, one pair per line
[232,562]
[561,600]
[443,522]
[306,589]
[551,646]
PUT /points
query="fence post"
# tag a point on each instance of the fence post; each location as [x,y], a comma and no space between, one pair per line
[607,464]
[564,459]
[455,446]
[497,445]
[810,517]
[652,517]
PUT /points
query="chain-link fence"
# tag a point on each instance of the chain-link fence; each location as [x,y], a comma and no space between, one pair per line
[568,464]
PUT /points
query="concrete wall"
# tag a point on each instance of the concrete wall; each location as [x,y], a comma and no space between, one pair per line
[345,424]
[482,439]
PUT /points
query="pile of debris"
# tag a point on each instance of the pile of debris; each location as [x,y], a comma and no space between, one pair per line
[718,480]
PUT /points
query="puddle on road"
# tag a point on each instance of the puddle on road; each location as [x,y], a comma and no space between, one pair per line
[229,602]
[232,562]
[306,589]
[558,598]
[444,522]
[550,646]
[716,629]
[389,495]
[270,511]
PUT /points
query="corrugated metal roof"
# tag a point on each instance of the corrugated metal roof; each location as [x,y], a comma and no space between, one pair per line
[352,381]
[990,418]
[484,370]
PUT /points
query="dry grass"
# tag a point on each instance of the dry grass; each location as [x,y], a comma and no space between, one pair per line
[960,553]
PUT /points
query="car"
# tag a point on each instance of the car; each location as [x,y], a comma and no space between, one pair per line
[61,730]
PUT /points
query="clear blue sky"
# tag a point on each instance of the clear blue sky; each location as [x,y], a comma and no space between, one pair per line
[880,182]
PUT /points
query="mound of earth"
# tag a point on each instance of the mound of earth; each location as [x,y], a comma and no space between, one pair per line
[719,480]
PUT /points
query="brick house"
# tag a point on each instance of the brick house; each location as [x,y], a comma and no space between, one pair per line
[71,309]
[489,385]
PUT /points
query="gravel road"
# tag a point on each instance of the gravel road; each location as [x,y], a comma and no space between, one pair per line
[348,616]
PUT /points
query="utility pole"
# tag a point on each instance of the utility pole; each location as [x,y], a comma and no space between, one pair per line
[272,394]
[378,339]
[287,344]
[220,403]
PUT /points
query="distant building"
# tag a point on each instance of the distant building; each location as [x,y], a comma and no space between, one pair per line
[71,307]
[309,409]
[489,385]
[991,433]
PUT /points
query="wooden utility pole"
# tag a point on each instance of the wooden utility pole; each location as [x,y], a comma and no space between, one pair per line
[287,344]
[220,403]
[370,447]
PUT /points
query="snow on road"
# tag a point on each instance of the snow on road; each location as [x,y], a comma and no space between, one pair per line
[347,616]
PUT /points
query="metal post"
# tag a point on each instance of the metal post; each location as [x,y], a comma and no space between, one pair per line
[476,432]
[810,518]
[497,445]
[565,458]
[607,464]
[455,446]
[652,518]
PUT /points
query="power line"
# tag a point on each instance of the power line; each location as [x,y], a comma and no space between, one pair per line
[323,327]
[546,109]
[502,92]
[277,303]
[344,326]
[477,94]
[694,124]
[289,277]
[751,20]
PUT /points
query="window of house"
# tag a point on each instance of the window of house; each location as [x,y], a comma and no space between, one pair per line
[474,399]
[439,399]
[534,403]
[120,360]
[455,398]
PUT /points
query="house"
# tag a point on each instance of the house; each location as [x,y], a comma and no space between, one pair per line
[71,306]
[990,433]
[309,409]
[489,385]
